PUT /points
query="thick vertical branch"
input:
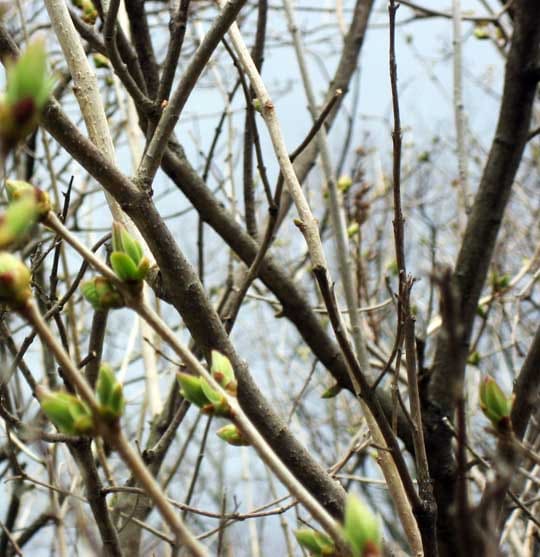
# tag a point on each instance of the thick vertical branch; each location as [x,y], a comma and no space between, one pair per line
[477,250]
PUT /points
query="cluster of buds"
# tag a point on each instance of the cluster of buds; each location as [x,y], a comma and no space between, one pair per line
[361,531]
[27,205]
[129,264]
[198,391]
[28,89]
[127,258]
[72,416]
[496,406]
[89,11]
[102,294]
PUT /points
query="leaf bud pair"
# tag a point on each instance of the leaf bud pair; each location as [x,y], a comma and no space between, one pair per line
[127,258]
[197,391]
[68,413]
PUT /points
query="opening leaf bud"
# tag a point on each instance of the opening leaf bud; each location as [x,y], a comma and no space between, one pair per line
[109,394]
[223,372]
[19,189]
[69,414]
[362,529]
[316,543]
[232,435]
[14,281]
[127,259]
[494,403]
[27,90]
[102,294]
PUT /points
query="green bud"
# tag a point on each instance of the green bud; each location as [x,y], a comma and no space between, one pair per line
[393,268]
[123,266]
[109,394]
[481,312]
[494,403]
[474,358]
[223,372]
[257,105]
[191,389]
[344,183]
[481,31]
[19,189]
[90,14]
[362,529]
[102,294]
[217,404]
[332,391]
[17,222]
[100,61]
[117,402]
[127,259]
[499,282]
[353,229]
[28,88]
[105,383]
[14,281]
[231,434]
[69,414]
[197,391]
[424,156]
[316,543]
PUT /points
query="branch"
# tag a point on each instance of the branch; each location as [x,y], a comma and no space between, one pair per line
[476,253]
[112,433]
[427,519]
[154,153]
